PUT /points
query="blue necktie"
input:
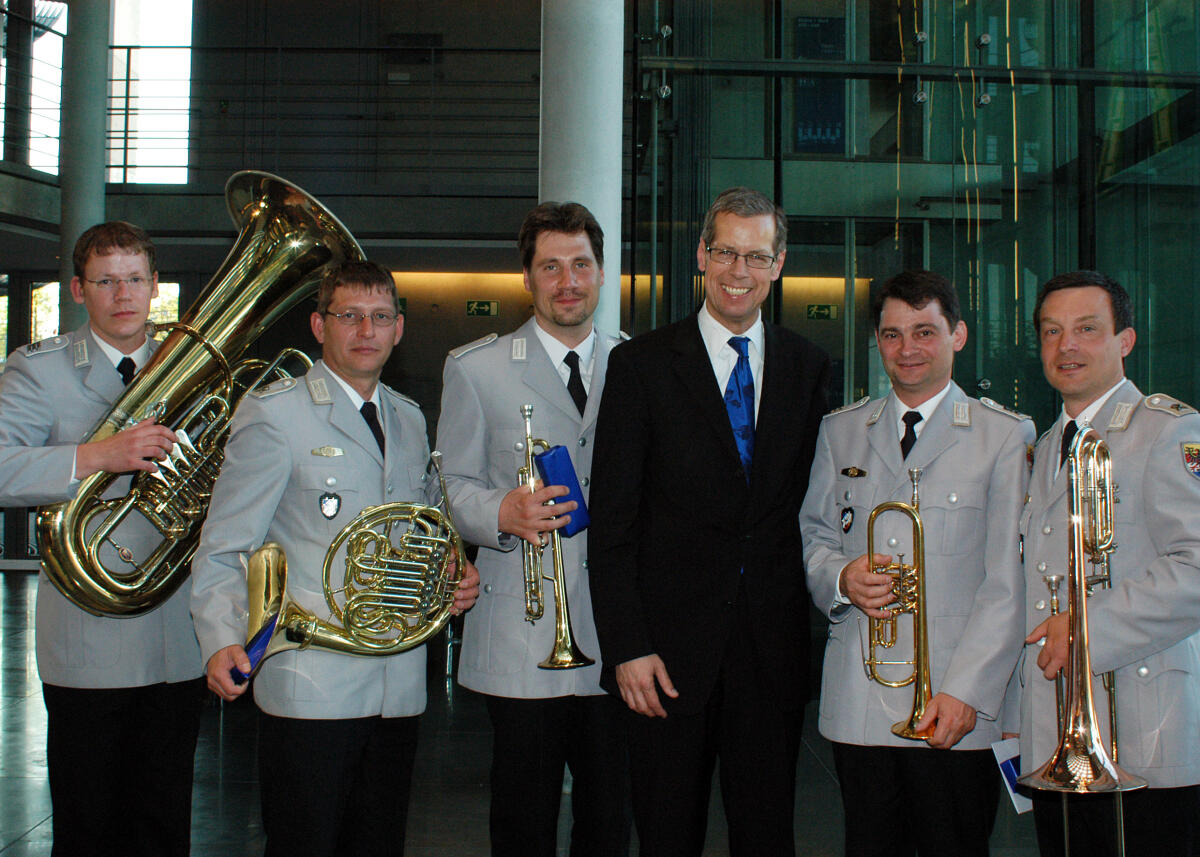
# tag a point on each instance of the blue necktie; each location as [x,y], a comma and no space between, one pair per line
[739,402]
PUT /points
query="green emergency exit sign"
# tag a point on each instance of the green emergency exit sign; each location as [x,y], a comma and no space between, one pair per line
[483,308]
[822,312]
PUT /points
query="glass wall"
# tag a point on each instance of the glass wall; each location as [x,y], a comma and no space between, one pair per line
[997,142]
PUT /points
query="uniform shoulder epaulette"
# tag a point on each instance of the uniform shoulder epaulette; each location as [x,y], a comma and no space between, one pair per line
[850,407]
[45,346]
[1167,404]
[398,395]
[471,346]
[999,408]
[275,387]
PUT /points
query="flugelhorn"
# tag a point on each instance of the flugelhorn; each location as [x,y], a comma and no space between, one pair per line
[908,588]
[392,591]
[1080,762]
[287,241]
[566,654]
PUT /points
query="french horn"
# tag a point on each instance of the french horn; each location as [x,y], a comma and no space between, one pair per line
[286,242]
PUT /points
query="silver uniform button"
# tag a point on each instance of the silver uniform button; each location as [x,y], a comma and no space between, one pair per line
[1039,605]
[847,495]
[585,482]
[487,587]
[892,542]
[583,441]
[331,481]
[519,446]
[1047,530]
[585,563]
[389,488]
[1041,566]
[953,498]
[1143,671]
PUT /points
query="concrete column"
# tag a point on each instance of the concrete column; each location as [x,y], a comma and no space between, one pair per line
[82,138]
[580,129]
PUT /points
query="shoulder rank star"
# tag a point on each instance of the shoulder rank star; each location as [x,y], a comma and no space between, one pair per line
[1191,458]
[853,472]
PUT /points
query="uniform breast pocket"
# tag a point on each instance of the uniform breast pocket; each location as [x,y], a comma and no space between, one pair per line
[329,494]
[508,445]
[853,501]
[954,518]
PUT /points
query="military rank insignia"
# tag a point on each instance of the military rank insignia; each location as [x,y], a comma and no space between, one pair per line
[847,519]
[331,504]
[1191,458]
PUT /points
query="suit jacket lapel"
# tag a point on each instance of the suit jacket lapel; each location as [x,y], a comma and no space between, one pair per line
[883,438]
[695,373]
[100,376]
[773,425]
[345,418]
[938,436]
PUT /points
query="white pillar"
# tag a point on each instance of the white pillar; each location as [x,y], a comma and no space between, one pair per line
[581,122]
[82,139]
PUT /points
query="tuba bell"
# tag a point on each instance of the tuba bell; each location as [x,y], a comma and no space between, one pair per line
[193,382]
[393,589]
[1080,763]
[908,587]
[565,655]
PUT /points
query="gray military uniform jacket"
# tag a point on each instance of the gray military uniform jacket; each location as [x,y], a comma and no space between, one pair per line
[482,435]
[52,394]
[293,444]
[1146,627]
[974,474]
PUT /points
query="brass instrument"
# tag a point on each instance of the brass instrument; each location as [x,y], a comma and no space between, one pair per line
[193,383]
[395,591]
[908,587]
[566,654]
[1080,763]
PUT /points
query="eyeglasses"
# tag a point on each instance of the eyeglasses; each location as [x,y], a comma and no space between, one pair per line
[378,318]
[728,257]
[108,283]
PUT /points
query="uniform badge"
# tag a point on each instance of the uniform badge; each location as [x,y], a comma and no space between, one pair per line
[1191,458]
[847,519]
[853,472]
[331,504]
[328,451]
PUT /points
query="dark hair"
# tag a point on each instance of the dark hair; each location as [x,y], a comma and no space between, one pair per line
[917,289]
[104,239]
[570,218]
[744,202]
[1122,306]
[367,276]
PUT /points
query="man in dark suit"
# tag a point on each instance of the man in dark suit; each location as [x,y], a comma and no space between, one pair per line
[703,446]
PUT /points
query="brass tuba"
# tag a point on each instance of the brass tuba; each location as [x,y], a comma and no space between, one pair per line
[1080,762]
[908,587]
[394,590]
[566,654]
[193,382]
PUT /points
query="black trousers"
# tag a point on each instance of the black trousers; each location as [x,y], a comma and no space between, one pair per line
[336,787]
[1158,823]
[901,801]
[533,740]
[757,743]
[120,764]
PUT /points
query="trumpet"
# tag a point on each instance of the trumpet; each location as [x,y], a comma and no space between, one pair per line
[1080,763]
[908,587]
[566,654]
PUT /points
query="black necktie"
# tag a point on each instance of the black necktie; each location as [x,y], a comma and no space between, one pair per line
[575,382]
[368,412]
[910,434]
[1069,431]
[127,370]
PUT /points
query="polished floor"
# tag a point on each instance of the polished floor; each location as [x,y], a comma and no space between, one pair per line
[450,797]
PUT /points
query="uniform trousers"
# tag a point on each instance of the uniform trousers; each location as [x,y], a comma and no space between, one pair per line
[1158,823]
[336,787]
[120,765]
[901,801]
[757,743]
[533,740]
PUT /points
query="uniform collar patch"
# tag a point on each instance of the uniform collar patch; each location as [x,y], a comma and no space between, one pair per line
[319,392]
[962,414]
[518,348]
[81,353]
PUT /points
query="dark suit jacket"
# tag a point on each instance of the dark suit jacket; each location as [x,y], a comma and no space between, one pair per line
[675,526]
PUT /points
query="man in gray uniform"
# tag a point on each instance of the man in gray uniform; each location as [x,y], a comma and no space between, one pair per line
[1145,628]
[122,694]
[542,719]
[938,796]
[305,456]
